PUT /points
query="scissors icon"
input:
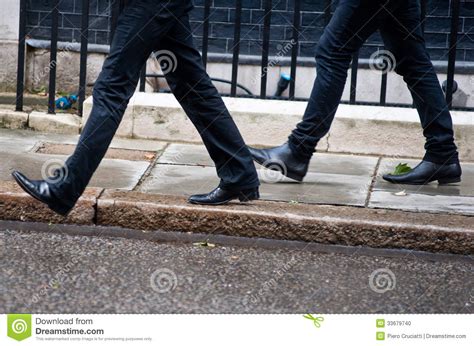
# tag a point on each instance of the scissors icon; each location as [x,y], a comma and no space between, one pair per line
[316,320]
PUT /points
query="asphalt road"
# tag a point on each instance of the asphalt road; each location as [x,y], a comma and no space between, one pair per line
[56,273]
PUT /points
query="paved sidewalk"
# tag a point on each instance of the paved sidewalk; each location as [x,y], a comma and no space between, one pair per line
[181,169]
[143,186]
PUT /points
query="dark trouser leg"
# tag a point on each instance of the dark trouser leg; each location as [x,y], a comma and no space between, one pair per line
[199,98]
[139,26]
[352,23]
[403,37]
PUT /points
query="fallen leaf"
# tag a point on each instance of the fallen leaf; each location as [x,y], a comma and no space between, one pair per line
[401,168]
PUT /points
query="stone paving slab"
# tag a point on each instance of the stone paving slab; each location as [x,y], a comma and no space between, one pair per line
[452,198]
[180,180]
[112,153]
[24,140]
[464,188]
[186,154]
[333,179]
[318,187]
[189,154]
[423,203]
[126,174]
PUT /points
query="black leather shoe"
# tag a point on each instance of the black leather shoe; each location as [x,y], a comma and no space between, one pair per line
[281,159]
[427,172]
[40,190]
[219,196]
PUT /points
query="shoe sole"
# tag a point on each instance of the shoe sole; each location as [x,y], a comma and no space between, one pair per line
[444,181]
[58,210]
[243,197]
[441,181]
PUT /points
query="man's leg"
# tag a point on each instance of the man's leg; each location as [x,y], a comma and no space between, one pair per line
[141,24]
[352,23]
[403,37]
[199,98]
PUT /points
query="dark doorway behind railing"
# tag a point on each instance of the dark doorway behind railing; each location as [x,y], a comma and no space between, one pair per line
[118,5]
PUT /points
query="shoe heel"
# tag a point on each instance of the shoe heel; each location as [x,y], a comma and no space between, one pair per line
[249,195]
[451,180]
[295,176]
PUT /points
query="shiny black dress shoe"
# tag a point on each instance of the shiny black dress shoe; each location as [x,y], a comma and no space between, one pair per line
[281,159]
[40,190]
[219,196]
[427,172]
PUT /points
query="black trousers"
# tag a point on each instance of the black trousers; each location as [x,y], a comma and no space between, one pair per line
[399,22]
[146,26]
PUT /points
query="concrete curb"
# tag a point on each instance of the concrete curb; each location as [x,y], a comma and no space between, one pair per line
[55,123]
[9,119]
[17,205]
[350,226]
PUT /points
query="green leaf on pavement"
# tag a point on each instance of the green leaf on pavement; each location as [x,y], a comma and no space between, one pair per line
[401,168]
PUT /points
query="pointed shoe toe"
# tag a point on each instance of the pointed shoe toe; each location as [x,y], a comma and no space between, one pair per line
[220,196]
[40,190]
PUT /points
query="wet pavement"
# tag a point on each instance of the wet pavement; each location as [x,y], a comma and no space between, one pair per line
[44,272]
[182,169]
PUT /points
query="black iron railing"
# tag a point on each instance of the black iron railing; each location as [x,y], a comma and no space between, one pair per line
[118,5]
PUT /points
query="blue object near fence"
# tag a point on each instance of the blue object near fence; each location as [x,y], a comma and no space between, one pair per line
[66,102]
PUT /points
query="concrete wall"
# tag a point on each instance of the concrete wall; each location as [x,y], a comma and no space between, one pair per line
[391,131]
[9,19]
